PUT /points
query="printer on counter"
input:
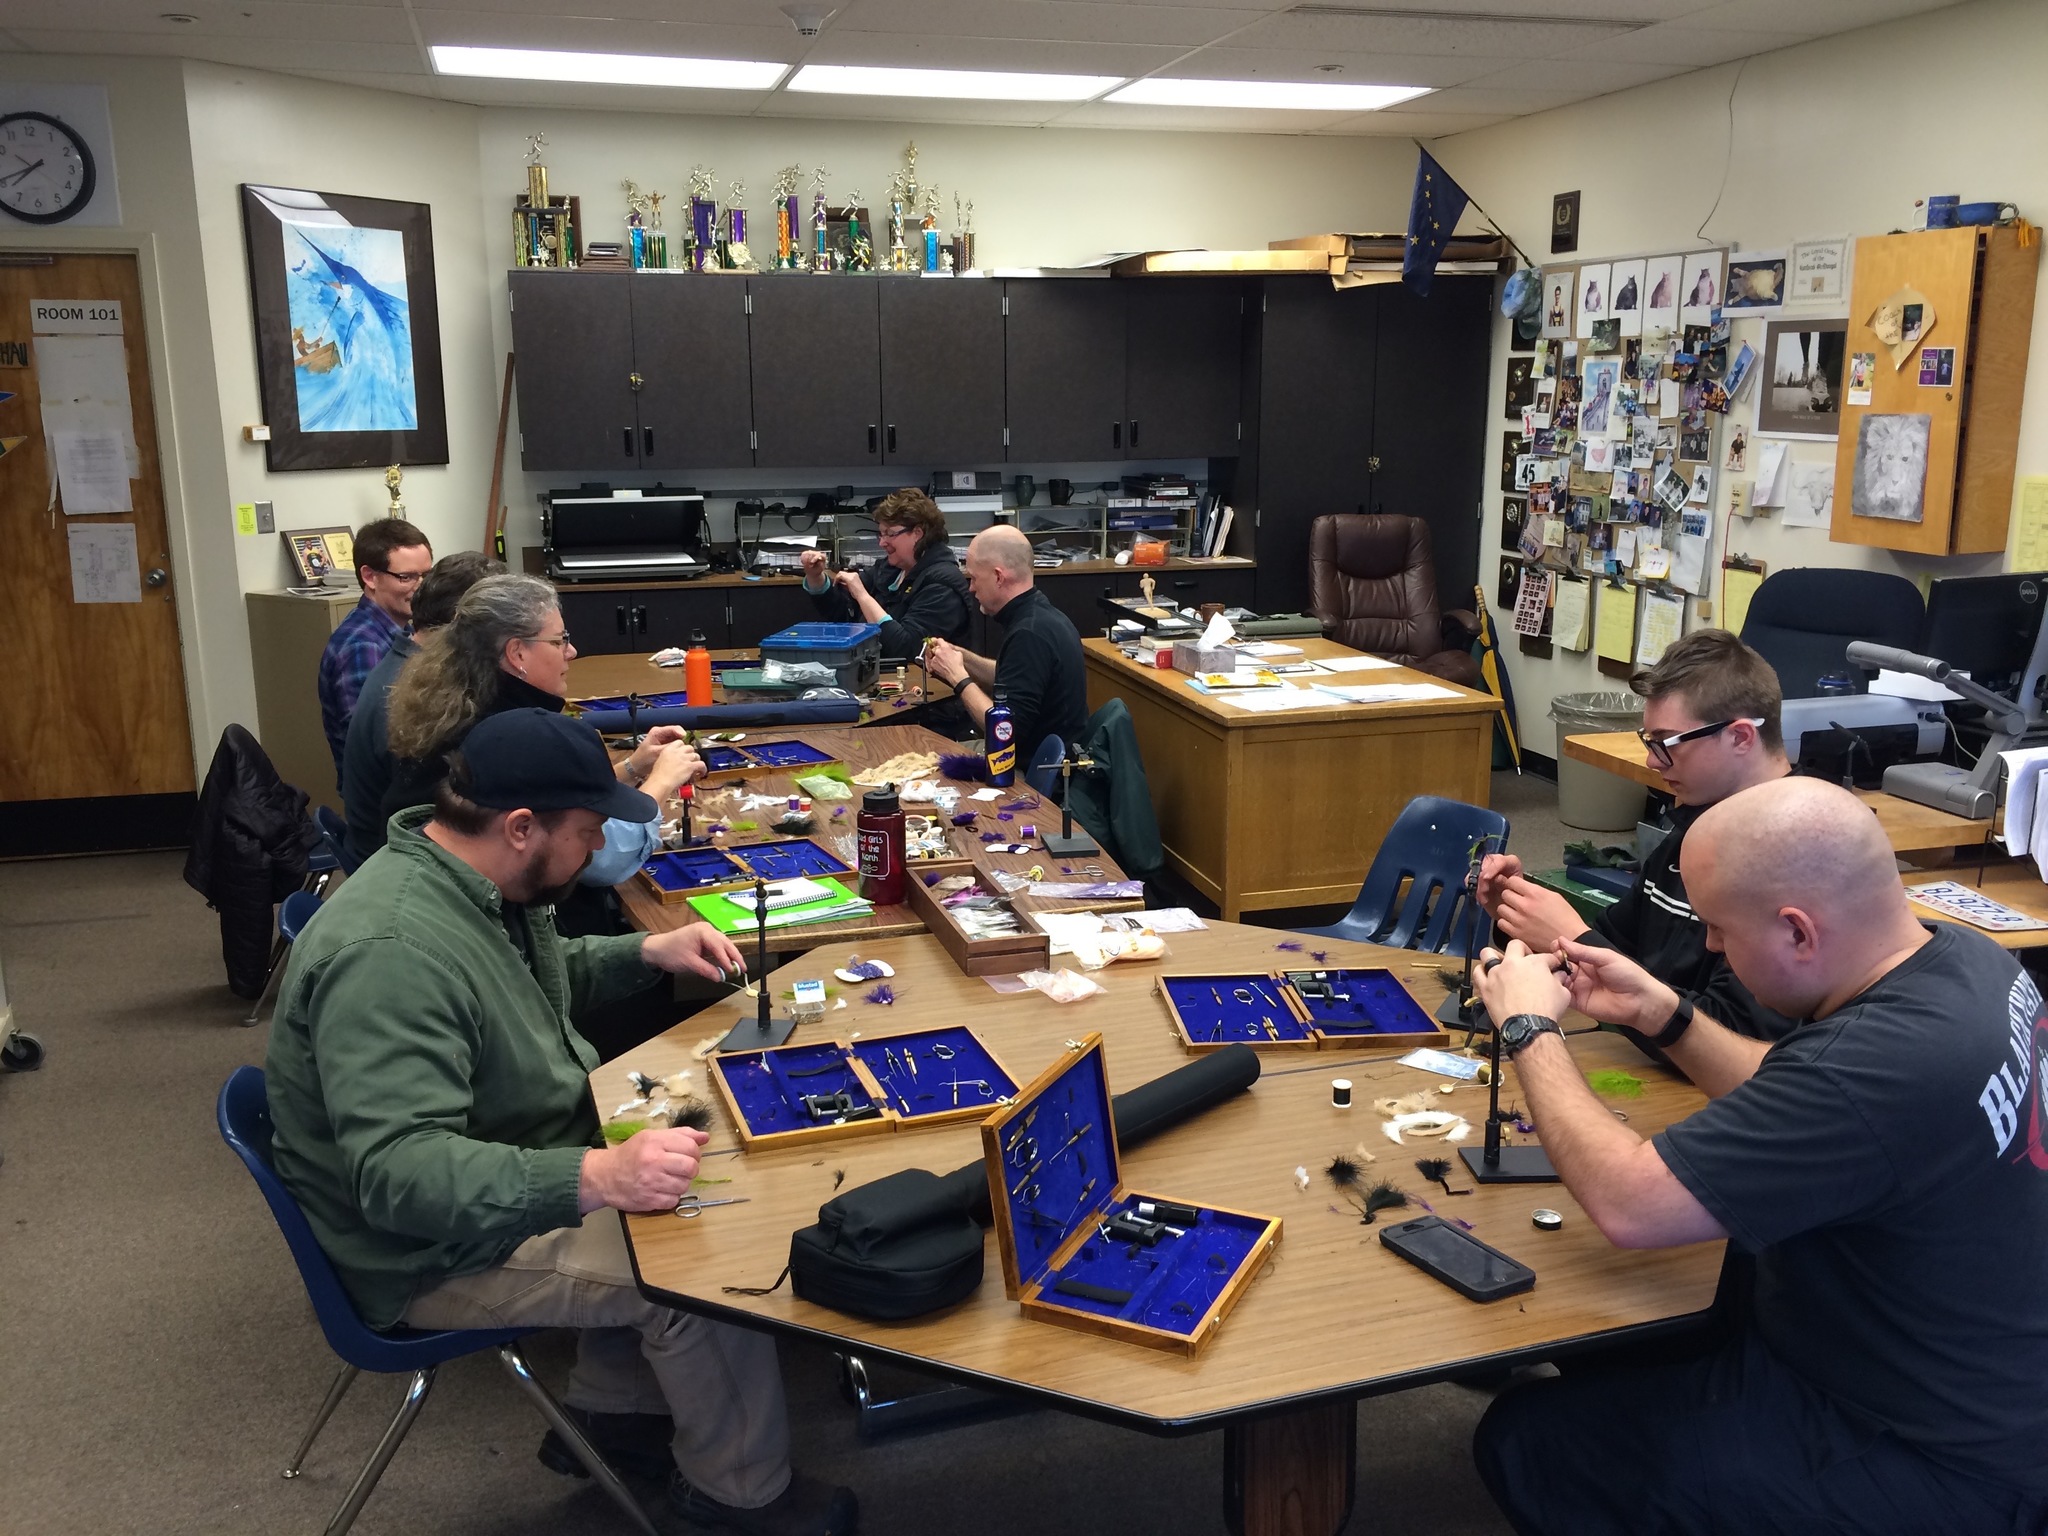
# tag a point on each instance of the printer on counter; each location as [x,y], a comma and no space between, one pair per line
[595,533]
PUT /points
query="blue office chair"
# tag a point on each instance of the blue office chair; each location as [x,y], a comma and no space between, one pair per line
[1044,773]
[244,1114]
[1414,895]
[292,917]
[324,862]
[333,834]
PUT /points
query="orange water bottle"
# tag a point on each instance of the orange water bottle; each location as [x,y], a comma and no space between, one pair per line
[697,671]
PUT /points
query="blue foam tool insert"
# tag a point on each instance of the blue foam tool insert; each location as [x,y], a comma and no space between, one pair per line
[787,754]
[724,759]
[691,869]
[769,1086]
[917,1072]
[797,858]
[1213,1008]
[621,701]
[1377,1004]
[1060,1173]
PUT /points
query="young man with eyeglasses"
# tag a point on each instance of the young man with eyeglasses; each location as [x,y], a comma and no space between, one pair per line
[916,591]
[391,558]
[1710,723]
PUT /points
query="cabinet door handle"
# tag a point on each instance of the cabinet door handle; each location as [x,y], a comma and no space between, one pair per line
[640,621]
[647,441]
[1134,431]
[871,437]
[892,437]
[621,613]
[1116,434]
[1182,586]
[626,441]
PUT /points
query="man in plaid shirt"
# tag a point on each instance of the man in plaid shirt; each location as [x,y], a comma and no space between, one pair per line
[391,557]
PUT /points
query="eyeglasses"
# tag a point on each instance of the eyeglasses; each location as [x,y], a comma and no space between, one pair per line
[1660,746]
[403,578]
[892,533]
[562,639]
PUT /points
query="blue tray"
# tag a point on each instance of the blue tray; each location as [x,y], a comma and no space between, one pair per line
[1055,1181]
[689,871]
[1370,1009]
[906,1081]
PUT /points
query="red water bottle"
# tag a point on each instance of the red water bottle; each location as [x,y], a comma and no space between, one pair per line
[878,837]
[697,671]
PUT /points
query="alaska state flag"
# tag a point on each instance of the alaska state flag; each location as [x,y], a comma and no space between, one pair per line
[1432,215]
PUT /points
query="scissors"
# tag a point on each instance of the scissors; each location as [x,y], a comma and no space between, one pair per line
[692,1206]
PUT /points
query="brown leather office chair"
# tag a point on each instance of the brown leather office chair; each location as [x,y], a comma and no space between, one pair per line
[1372,581]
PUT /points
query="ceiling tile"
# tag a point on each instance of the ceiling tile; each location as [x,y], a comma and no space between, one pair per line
[1809,17]
[1588,77]
[1515,96]
[941,52]
[754,17]
[1406,125]
[1693,47]
[900,109]
[1453,36]
[1049,20]
[316,22]
[1106,114]
[609,98]
[280,54]
[1354,68]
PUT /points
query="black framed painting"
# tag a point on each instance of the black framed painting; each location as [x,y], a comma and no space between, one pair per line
[348,329]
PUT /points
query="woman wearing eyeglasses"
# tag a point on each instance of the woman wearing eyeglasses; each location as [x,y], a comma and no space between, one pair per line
[916,592]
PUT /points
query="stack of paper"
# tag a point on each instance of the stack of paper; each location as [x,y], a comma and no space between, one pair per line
[728,916]
[1353,663]
[1389,693]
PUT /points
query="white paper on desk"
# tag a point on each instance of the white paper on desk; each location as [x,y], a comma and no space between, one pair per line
[92,472]
[1354,663]
[1388,693]
[986,794]
[1910,685]
[1267,701]
[2023,780]
[1258,649]
[103,564]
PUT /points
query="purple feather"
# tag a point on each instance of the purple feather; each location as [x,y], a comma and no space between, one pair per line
[839,813]
[1027,803]
[966,818]
[962,765]
[994,837]
[899,704]
[867,970]
[1290,946]
[882,994]
[1319,955]
[1004,816]
[933,879]
[1066,869]
[1461,1221]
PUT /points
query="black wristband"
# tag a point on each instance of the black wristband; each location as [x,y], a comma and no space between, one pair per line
[1674,1027]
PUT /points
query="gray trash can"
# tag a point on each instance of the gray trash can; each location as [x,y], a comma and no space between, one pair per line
[1589,798]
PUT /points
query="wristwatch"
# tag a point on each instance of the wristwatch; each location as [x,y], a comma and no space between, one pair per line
[1519,1029]
[1679,1022]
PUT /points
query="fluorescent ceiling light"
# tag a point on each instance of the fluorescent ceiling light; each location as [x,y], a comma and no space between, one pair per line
[1283,94]
[947,84]
[607,68]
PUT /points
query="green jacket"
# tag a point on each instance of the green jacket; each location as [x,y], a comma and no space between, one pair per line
[430,1096]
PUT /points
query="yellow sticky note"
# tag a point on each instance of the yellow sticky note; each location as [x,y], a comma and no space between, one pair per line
[245,517]
[1737,588]
[1614,633]
[2030,531]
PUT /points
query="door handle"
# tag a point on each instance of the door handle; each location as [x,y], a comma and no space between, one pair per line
[626,441]
[156,577]
[1116,434]
[871,437]
[1134,431]
[647,441]
[640,621]
[621,613]
[892,437]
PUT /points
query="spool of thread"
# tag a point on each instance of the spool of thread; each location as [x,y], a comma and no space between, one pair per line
[1027,831]
[1340,1092]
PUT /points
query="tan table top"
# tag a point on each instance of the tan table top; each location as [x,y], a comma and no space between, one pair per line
[596,677]
[1335,1316]
[1173,687]
[1911,827]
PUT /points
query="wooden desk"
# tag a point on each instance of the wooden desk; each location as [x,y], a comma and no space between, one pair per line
[597,677]
[1285,810]
[1911,827]
[1336,1317]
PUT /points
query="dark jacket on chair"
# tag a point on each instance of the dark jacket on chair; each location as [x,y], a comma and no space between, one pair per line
[1112,799]
[249,849]
[1372,581]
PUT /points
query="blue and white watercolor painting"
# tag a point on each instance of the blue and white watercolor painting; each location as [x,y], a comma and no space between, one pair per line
[351,328]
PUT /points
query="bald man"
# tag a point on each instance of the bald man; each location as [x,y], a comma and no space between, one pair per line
[1038,670]
[1884,1162]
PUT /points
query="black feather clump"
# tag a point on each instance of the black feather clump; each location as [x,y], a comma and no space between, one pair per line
[1382,1197]
[692,1112]
[1348,1175]
[1438,1171]
[1343,1172]
[971,766]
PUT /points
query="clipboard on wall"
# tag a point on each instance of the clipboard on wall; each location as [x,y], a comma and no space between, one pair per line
[1740,577]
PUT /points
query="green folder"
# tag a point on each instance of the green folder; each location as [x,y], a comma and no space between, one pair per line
[729,916]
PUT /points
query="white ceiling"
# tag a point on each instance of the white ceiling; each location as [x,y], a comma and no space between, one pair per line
[1488,60]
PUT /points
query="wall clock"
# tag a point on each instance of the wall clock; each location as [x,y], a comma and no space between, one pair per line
[46,169]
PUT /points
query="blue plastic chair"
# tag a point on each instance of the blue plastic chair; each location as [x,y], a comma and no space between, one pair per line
[244,1114]
[292,917]
[1414,896]
[333,839]
[1044,773]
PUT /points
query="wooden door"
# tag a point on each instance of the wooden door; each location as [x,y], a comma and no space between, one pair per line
[573,335]
[95,691]
[696,405]
[1182,365]
[1429,419]
[1064,362]
[817,372]
[942,373]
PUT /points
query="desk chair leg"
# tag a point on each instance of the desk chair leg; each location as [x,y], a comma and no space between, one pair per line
[366,1481]
[599,1469]
[277,950]
[342,1382]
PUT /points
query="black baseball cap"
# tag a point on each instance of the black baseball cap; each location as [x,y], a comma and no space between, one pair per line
[537,760]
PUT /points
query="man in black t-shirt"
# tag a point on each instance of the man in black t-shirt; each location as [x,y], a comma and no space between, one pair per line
[1038,670]
[1710,724]
[1887,1164]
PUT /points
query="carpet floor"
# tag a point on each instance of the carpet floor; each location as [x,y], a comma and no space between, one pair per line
[158,1358]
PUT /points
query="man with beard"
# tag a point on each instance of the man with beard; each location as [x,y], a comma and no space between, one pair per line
[433,1117]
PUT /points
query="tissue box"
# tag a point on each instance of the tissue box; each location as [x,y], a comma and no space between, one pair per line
[1193,656]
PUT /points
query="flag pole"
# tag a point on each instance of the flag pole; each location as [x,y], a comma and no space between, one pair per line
[1490,219]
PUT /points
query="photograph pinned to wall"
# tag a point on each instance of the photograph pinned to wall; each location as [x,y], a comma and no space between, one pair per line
[1699,287]
[1560,288]
[1606,337]
[1626,308]
[1672,490]
[1695,447]
[1740,367]
[1735,460]
[1809,495]
[1802,388]
[1601,377]
[1529,542]
[1693,418]
[1593,296]
[1890,479]
[347,329]
[1901,322]
[1862,369]
[1534,420]
[1521,387]
[1702,485]
[1546,362]
[1756,281]
[1937,367]
[1714,397]
[1819,268]
[1660,307]
[1599,456]
[1642,442]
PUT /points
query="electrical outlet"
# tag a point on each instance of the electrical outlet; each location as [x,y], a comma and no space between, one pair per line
[266,517]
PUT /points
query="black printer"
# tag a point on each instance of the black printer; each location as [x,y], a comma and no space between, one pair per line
[596,533]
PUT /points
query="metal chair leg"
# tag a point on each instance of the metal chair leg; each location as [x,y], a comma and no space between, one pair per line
[394,1436]
[343,1380]
[599,1469]
[277,949]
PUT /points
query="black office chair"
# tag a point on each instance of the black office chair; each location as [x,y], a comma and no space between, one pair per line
[1801,622]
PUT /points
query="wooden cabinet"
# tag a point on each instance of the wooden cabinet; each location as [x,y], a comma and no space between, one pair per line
[1927,466]
[816,372]
[573,335]
[690,352]
[942,372]
[287,636]
[1182,361]
[1064,366]
[611,620]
